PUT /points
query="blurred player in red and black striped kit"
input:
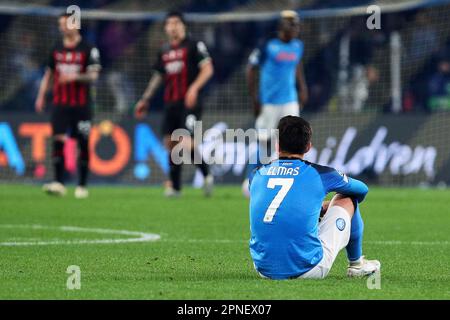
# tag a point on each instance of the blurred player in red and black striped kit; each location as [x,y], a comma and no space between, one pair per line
[184,65]
[73,65]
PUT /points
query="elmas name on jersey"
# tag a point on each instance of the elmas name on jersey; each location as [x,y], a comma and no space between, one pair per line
[281,171]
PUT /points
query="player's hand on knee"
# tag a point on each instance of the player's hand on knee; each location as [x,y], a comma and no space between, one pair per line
[141,109]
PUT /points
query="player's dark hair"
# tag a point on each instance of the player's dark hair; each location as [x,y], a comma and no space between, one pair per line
[175,14]
[294,135]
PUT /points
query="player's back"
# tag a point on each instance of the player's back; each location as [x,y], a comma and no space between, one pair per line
[285,202]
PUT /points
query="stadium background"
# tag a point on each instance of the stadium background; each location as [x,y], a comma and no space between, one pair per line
[379,99]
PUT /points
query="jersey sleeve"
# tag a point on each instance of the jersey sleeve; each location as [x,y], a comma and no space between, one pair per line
[251,176]
[201,54]
[335,181]
[257,56]
[94,59]
[158,66]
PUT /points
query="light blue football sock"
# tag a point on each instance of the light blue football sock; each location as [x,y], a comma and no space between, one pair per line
[354,246]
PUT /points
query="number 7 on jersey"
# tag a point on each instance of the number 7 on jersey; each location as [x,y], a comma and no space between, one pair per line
[286,184]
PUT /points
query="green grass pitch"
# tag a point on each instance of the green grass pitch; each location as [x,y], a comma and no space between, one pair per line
[203,251]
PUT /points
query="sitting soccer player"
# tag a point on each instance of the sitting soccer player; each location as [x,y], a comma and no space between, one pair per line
[286,202]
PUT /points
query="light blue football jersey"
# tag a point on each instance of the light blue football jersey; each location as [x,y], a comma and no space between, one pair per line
[278,63]
[285,203]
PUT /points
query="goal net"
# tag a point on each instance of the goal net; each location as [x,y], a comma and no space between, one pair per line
[379,86]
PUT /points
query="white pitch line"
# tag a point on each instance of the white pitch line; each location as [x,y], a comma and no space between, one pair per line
[387,242]
[147,237]
[413,243]
[204,240]
[139,236]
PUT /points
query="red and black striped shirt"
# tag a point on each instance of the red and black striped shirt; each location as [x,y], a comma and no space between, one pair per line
[65,60]
[180,66]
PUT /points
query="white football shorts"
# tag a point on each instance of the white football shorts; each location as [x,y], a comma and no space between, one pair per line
[334,234]
[270,116]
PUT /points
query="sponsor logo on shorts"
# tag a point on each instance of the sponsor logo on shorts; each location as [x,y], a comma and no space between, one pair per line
[340,224]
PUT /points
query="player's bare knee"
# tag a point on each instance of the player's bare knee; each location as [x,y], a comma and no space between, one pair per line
[343,201]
